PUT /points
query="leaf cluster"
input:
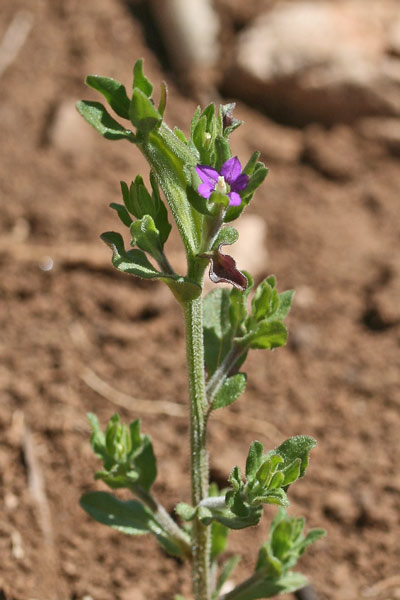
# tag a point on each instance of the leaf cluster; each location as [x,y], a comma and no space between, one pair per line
[268,476]
[129,462]
[138,108]
[285,545]
[276,557]
[127,454]
[231,330]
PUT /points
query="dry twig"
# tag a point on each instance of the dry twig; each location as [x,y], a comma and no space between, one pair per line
[173,409]
[36,485]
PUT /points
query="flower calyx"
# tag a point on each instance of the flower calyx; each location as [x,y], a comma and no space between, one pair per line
[223,269]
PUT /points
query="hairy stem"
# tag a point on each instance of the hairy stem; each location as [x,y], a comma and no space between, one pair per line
[165,520]
[242,590]
[199,459]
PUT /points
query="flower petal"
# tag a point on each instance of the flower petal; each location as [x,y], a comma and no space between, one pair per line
[240,183]
[207,174]
[205,189]
[234,199]
[231,169]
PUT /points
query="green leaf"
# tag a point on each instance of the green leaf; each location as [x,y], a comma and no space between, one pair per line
[122,213]
[117,480]
[97,439]
[229,391]
[113,91]
[185,511]
[282,539]
[261,302]
[167,154]
[312,536]
[219,538]
[253,461]
[298,446]
[145,463]
[168,544]
[161,215]
[98,117]
[140,81]
[118,439]
[226,571]
[237,506]
[235,479]
[238,304]
[276,481]
[133,261]
[251,163]
[136,440]
[233,521]
[225,237]
[285,302]
[179,134]
[142,112]
[255,181]
[195,120]
[217,329]
[199,135]
[268,467]
[292,472]
[141,202]
[223,151]
[268,563]
[266,587]
[209,113]
[146,236]
[126,197]
[163,98]
[276,496]
[129,517]
[266,335]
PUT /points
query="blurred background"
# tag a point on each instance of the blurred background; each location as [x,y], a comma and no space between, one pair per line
[318,86]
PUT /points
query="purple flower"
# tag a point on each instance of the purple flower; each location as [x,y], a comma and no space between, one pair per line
[229,181]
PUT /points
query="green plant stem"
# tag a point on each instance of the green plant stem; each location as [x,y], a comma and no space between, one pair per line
[241,591]
[164,519]
[193,311]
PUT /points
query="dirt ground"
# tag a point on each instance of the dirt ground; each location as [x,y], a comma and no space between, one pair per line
[81,337]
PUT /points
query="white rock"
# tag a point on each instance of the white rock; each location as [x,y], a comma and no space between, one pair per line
[323,61]
[68,132]
[250,251]
[190,31]
[385,131]
[394,38]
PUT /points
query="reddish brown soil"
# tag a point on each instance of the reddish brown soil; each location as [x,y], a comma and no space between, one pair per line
[333,234]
